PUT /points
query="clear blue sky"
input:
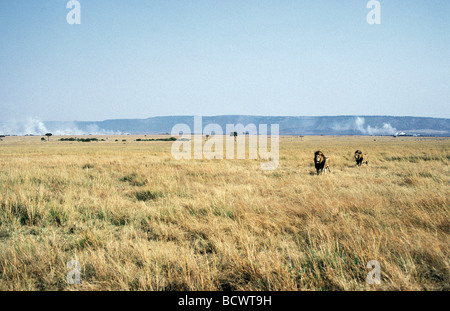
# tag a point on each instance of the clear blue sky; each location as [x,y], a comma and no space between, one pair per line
[137,59]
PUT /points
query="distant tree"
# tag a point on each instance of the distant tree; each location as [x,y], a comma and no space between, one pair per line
[235,134]
[48,136]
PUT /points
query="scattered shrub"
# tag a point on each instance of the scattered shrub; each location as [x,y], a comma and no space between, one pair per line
[148,195]
[88,166]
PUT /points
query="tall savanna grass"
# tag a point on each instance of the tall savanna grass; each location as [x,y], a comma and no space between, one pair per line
[137,219]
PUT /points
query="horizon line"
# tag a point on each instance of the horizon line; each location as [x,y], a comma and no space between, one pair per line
[249,115]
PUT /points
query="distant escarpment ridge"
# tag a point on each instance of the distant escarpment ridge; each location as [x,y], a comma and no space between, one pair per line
[288,125]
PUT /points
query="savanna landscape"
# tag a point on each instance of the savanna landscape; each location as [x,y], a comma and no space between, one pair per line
[137,219]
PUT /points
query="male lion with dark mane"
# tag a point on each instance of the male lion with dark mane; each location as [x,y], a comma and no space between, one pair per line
[359,158]
[321,162]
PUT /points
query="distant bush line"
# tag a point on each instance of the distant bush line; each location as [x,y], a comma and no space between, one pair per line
[157,139]
[83,140]
[87,140]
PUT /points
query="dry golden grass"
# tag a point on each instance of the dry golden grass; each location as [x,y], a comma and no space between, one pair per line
[136,219]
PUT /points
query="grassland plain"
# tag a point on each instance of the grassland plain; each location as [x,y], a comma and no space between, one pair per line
[137,219]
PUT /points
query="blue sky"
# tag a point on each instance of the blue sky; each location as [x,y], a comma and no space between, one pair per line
[137,59]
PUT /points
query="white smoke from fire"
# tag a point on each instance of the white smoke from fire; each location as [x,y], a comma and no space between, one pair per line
[386,129]
[34,126]
[27,126]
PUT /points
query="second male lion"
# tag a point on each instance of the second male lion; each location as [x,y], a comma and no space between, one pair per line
[321,162]
[359,158]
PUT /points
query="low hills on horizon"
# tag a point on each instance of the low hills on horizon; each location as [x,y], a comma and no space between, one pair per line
[288,125]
